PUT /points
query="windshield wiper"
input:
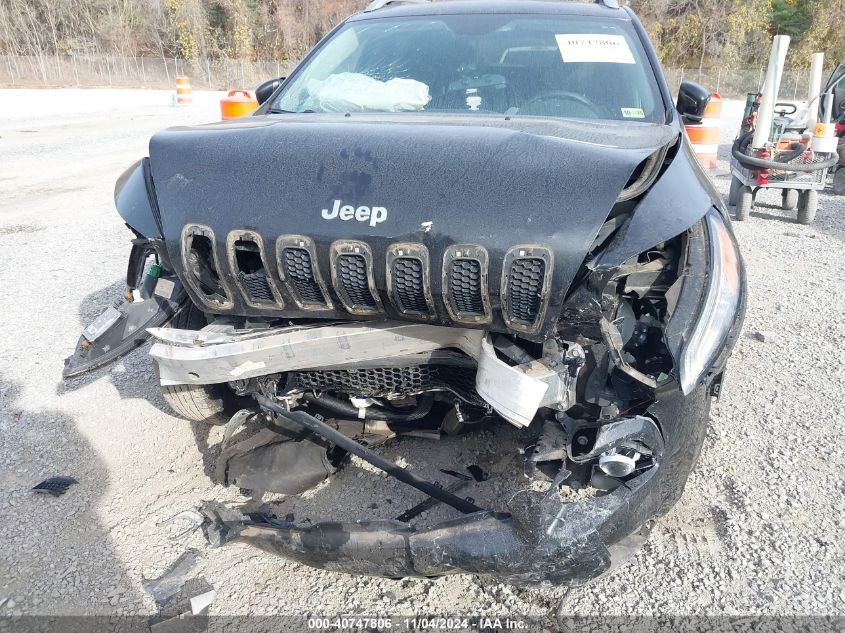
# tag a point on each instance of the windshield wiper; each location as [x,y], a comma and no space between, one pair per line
[277,111]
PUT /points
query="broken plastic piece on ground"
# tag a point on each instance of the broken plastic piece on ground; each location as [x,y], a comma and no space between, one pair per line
[194,519]
[275,460]
[163,588]
[201,603]
[535,537]
[56,486]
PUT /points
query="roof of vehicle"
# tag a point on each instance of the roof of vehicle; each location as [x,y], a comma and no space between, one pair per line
[459,7]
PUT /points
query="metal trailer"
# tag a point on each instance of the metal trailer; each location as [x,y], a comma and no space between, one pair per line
[799,189]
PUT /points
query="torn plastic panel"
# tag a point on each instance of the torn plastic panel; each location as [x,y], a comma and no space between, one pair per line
[540,539]
[152,297]
[270,462]
[534,537]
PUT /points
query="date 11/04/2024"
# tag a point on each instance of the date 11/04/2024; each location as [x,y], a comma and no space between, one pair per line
[434,623]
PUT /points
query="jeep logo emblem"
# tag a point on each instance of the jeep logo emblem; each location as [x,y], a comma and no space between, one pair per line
[346,212]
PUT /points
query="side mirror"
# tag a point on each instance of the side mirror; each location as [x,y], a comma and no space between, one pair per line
[265,90]
[692,101]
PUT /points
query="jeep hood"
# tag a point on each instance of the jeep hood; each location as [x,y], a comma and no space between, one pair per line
[437,181]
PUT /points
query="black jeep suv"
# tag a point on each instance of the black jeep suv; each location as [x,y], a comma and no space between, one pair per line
[450,217]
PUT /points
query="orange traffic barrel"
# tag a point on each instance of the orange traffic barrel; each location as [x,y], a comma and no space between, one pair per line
[705,136]
[183,91]
[237,103]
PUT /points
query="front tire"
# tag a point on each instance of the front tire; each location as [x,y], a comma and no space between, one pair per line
[210,404]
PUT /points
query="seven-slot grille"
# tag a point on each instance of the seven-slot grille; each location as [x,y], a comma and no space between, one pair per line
[464,279]
[300,272]
[525,288]
[409,285]
[352,278]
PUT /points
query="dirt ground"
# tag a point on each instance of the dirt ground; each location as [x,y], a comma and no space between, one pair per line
[758,531]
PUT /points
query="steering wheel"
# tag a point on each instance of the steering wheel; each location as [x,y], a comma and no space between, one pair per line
[563,96]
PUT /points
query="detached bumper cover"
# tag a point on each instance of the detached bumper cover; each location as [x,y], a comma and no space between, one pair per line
[541,539]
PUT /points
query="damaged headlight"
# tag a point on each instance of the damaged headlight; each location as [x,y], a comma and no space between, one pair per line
[721,302]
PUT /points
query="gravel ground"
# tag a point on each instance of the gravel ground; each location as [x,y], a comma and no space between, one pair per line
[758,531]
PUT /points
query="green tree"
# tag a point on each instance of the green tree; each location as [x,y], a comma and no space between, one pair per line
[792,17]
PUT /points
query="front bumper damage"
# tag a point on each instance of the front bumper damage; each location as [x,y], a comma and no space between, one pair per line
[528,538]
[220,355]
[539,539]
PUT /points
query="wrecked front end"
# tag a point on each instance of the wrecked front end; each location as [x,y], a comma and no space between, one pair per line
[597,322]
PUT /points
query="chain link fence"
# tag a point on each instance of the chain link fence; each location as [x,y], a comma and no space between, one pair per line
[735,84]
[221,74]
[105,71]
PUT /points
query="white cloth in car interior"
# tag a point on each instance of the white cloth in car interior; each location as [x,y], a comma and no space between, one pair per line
[354,92]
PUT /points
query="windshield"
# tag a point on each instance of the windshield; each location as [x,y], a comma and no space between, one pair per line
[552,66]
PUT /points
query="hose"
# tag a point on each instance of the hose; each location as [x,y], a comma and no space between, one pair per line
[752,162]
[373,413]
[795,150]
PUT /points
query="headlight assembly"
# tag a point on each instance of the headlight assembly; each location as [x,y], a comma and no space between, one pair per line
[723,293]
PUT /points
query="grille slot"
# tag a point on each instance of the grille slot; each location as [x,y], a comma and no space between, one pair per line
[202,269]
[465,286]
[299,271]
[465,283]
[525,289]
[380,382]
[409,284]
[246,257]
[352,277]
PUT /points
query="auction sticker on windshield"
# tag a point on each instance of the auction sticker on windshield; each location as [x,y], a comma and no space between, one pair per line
[585,48]
[633,113]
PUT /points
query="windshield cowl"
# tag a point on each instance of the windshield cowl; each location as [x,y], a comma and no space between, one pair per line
[615,134]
